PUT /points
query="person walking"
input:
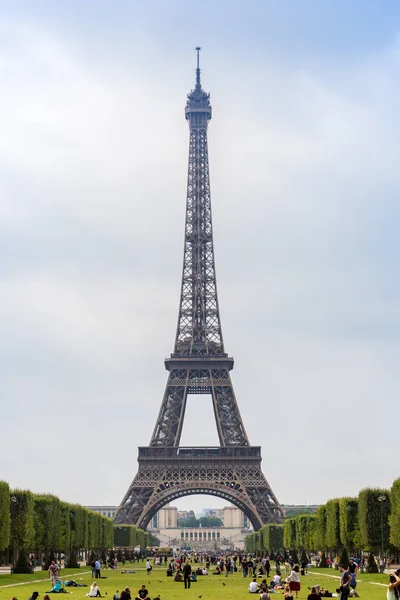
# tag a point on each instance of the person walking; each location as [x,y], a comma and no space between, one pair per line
[344,583]
[294,580]
[54,570]
[352,569]
[267,567]
[244,568]
[187,571]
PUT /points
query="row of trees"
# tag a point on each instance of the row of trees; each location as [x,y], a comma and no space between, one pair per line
[268,539]
[129,536]
[44,525]
[370,522]
[193,521]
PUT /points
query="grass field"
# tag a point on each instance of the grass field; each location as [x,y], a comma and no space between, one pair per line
[209,587]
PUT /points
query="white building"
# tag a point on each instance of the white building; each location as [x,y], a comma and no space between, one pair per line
[231,534]
[106,511]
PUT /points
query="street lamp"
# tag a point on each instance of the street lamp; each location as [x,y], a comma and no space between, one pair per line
[381,500]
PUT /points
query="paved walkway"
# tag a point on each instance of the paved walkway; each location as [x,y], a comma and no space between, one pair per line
[338,577]
[41,580]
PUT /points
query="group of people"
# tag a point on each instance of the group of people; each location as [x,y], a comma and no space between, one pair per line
[292,584]
[143,594]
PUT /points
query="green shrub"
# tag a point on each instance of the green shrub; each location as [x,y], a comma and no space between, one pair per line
[22,564]
[72,561]
[322,563]
[372,567]
[49,558]
[344,558]
[5,520]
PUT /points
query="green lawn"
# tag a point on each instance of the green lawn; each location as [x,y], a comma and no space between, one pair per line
[209,587]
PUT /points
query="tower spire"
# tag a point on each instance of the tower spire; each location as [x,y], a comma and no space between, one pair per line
[198,83]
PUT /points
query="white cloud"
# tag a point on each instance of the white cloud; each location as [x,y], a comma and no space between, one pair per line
[92,184]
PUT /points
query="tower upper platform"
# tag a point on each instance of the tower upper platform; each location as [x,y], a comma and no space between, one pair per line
[198,101]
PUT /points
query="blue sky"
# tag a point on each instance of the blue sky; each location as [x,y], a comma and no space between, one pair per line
[304,150]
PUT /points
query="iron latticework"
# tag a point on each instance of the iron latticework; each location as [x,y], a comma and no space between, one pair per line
[199,365]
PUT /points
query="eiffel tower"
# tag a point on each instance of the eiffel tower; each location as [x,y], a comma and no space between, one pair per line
[199,365]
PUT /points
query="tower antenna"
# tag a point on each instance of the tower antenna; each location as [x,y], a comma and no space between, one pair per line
[198,84]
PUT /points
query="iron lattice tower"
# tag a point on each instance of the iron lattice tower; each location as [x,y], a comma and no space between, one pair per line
[199,365]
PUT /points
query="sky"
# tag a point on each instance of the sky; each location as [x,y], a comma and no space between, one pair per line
[304,151]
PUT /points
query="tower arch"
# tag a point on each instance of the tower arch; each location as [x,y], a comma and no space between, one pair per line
[228,493]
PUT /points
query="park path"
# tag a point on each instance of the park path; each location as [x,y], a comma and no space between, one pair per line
[338,577]
[40,580]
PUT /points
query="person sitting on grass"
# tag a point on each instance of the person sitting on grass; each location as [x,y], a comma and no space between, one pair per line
[57,588]
[94,591]
[178,576]
[125,594]
[253,587]
[276,581]
[34,596]
[287,592]
[217,571]
[313,595]
[143,594]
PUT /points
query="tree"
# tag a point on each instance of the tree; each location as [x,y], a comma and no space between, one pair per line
[311,528]
[210,522]
[373,518]
[125,536]
[5,521]
[154,540]
[22,505]
[332,536]
[189,522]
[344,558]
[72,560]
[289,533]
[66,515]
[47,522]
[394,518]
[301,532]
[79,526]
[320,528]
[348,518]
[272,538]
